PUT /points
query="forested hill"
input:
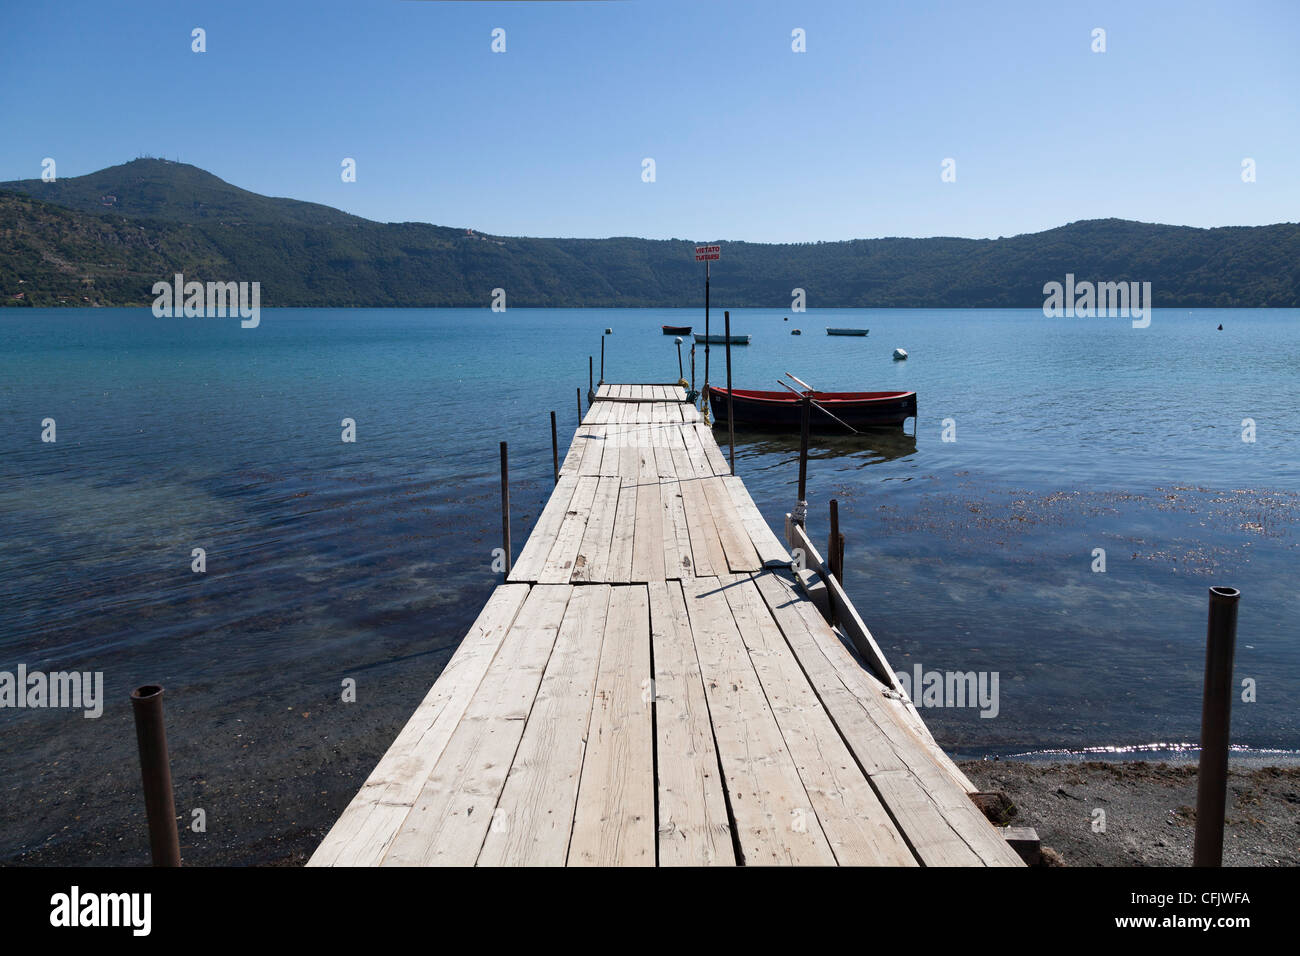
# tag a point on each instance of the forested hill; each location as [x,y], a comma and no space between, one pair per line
[106,237]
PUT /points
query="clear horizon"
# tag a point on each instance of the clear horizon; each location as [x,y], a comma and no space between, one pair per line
[751,140]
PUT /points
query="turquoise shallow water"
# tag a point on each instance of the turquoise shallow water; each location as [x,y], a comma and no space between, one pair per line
[369,560]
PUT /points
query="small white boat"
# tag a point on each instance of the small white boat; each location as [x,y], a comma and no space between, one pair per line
[711,339]
[900,354]
[847,331]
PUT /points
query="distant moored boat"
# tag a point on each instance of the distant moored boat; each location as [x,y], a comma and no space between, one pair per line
[847,331]
[721,339]
[900,354]
[677,330]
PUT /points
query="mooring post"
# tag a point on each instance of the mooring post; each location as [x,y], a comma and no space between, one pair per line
[602,360]
[731,418]
[591,380]
[1216,713]
[579,391]
[692,366]
[681,373]
[800,514]
[834,551]
[156,774]
[833,542]
[555,449]
[505,496]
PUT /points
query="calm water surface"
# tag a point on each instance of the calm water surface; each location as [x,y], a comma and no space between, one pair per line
[328,560]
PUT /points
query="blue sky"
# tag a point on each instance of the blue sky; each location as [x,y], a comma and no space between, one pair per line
[750,140]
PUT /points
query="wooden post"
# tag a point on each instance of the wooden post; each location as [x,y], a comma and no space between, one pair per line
[1216,711]
[505,498]
[579,391]
[591,386]
[692,366]
[832,542]
[833,550]
[731,417]
[681,373]
[156,774]
[602,360]
[555,449]
[801,509]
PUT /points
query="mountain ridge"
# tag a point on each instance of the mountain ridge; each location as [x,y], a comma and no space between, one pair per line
[106,237]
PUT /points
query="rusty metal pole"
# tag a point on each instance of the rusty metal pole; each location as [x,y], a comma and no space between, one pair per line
[156,774]
[505,497]
[555,449]
[731,417]
[1216,713]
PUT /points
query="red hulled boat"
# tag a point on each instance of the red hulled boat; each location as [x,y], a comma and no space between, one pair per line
[783,412]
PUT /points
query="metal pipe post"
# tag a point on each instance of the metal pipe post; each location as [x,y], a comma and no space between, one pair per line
[156,774]
[1216,711]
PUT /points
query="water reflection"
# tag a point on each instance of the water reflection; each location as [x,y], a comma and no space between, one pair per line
[868,447]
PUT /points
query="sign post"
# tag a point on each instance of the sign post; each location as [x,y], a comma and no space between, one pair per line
[706,254]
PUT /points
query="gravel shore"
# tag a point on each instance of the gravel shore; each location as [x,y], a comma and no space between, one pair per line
[1149,810]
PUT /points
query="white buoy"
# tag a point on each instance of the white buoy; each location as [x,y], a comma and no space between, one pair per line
[900,354]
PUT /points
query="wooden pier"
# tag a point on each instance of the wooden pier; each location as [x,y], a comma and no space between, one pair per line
[650,686]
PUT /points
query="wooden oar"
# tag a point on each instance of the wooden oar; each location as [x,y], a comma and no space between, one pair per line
[816,404]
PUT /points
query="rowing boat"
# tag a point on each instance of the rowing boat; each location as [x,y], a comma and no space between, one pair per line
[783,411]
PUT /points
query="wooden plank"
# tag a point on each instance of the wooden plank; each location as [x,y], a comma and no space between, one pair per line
[573,457]
[770,550]
[564,552]
[533,820]
[678,562]
[533,557]
[706,548]
[693,825]
[614,822]
[664,461]
[593,450]
[363,832]
[451,816]
[739,550]
[771,809]
[619,566]
[648,537]
[700,463]
[609,463]
[592,561]
[711,450]
[857,826]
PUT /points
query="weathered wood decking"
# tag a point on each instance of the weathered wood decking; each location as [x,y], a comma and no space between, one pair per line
[649,686]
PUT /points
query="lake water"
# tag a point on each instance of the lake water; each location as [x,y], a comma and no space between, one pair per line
[329,560]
